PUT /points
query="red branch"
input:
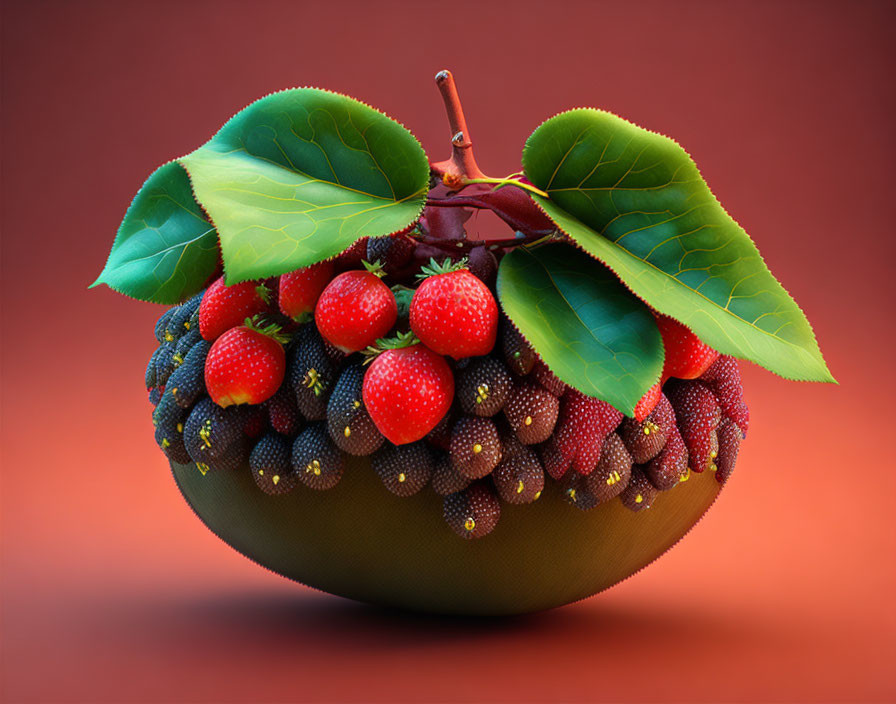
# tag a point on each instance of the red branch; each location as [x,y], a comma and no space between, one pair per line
[462,163]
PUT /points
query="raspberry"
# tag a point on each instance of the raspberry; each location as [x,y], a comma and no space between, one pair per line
[483,386]
[730,436]
[271,466]
[723,379]
[161,330]
[583,425]
[646,439]
[671,466]
[576,491]
[613,472]
[555,463]
[187,382]
[698,415]
[282,412]
[210,430]
[475,446]
[640,493]
[518,354]
[404,469]
[318,464]
[546,378]
[445,478]
[473,512]
[348,421]
[532,413]
[256,422]
[310,373]
[519,477]
[169,419]
[393,253]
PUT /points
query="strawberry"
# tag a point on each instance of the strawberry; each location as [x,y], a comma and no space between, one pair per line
[355,309]
[686,356]
[453,312]
[648,401]
[407,389]
[245,365]
[299,290]
[224,307]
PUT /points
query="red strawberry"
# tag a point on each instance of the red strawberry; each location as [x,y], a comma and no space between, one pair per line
[355,309]
[245,365]
[686,356]
[454,313]
[299,290]
[224,307]
[407,390]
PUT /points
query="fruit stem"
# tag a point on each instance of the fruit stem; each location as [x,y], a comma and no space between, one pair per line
[462,164]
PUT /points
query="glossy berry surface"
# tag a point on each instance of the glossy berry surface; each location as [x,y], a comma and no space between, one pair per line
[407,391]
[224,307]
[355,310]
[299,290]
[244,366]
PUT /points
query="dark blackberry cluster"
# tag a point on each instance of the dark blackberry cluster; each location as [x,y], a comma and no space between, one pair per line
[513,428]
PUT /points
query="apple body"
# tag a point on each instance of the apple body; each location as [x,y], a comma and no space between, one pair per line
[359,541]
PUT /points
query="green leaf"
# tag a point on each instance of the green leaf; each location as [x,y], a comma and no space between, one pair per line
[586,326]
[300,175]
[636,201]
[165,248]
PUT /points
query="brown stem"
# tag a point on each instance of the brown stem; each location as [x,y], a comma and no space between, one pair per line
[462,164]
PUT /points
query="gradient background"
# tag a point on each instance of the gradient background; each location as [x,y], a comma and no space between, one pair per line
[113,591]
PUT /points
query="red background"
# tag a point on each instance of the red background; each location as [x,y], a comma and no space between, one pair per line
[113,591]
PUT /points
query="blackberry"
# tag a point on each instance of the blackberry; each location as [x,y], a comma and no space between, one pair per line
[182,318]
[445,478]
[348,421]
[311,373]
[473,512]
[393,253]
[698,415]
[149,377]
[577,492]
[187,382]
[352,257]
[670,467]
[169,419]
[155,394]
[282,412]
[640,493]
[518,354]
[531,412]
[730,436]
[483,386]
[165,363]
[210,430]
[519,478]
[256,422]
[161,330]
[613,472]
[546,378]
[234,457]
[317,462]
[483,265]
[646,439]
[440,435]
[183,346]
[404,469]
[271,465]
[475,446]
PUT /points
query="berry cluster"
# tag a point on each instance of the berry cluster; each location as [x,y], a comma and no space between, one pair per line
[288,376]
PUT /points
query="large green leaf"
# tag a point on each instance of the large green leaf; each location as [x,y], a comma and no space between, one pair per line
[300,175]
[586,326]
[165,248]
[636,201]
